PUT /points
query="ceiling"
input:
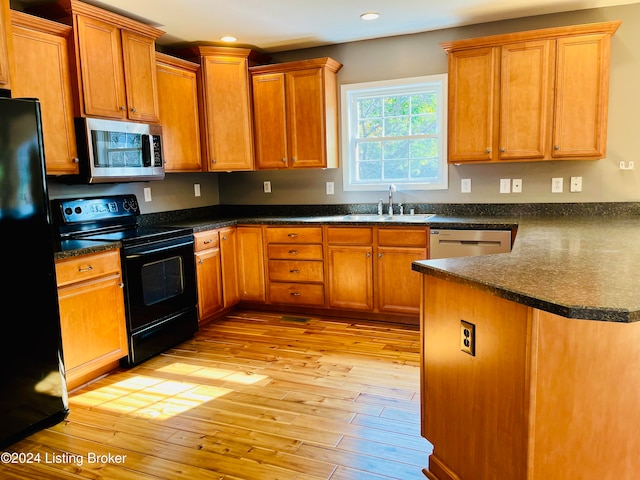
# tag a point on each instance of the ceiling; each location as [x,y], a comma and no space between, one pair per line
[278,25]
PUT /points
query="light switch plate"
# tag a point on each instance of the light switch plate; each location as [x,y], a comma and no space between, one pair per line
[330,188]
[147,194]
[505,185]
[576,184]
[465,185]
[266,186]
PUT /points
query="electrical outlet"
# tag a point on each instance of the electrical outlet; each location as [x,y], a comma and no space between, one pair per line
[196,189]
[147,194]
[330,188]
[505,185]
[468,338]
[266,186]
[516,185]
[465,185]
[556,185]
[576,184]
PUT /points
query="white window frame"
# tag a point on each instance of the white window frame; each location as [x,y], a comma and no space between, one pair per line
[349,95]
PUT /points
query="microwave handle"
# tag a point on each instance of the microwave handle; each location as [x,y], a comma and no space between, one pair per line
[147,153]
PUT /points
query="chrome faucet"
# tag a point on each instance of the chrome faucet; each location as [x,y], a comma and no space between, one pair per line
[392,190]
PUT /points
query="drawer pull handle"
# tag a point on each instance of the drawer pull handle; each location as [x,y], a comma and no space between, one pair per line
[292,235]
[296,294]
[85,269]
[293,252]
[209,240]
[294,271]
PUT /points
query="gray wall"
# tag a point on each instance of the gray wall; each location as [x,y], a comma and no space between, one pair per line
[420,54]
[415,55]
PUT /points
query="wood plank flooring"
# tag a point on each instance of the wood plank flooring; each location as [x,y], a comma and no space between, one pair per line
[252,396]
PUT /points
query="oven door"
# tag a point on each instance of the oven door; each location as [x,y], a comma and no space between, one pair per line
[160,281]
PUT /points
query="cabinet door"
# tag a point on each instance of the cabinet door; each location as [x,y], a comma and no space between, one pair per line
[526,98]
[5,31]
[306,117]
[92,323]
[582,92]
[269,113]
[178,107]
[228,251]
[100,51]
[229,134]
[473,96]
[251,282]
[398,287]
[139,56]
[350,277]
[209,276]
[41,70]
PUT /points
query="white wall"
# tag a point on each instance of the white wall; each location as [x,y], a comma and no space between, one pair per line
[420,54]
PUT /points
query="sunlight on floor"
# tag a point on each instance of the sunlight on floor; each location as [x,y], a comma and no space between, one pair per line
[154,397]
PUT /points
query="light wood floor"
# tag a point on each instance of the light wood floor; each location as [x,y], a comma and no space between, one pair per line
[253,396]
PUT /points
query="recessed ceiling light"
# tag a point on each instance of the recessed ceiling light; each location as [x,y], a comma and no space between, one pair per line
[228,39]
[370,16]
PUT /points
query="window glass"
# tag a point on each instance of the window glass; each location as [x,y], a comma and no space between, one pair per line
[395,132]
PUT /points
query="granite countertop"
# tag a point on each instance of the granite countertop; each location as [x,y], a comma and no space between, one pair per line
[581,267]
[73,248]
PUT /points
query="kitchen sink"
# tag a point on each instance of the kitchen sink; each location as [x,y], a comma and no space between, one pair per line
[388,218]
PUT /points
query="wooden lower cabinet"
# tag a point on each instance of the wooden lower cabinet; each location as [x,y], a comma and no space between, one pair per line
[369,268]
[216,271]
[251,280]
[208,273]
[92,317]
[295,265]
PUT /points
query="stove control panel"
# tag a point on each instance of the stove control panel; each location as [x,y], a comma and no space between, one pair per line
[97,208]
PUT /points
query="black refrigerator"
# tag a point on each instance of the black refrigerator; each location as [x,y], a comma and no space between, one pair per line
[33,391]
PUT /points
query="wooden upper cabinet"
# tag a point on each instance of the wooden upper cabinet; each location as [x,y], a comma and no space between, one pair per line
[225,109]
[473,75]
[178,102]
[537,95]
[41,69]
[5,41]
[296,114]
[582,79]
[115,57]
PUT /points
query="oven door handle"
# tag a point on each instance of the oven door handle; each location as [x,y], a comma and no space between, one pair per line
[172,246]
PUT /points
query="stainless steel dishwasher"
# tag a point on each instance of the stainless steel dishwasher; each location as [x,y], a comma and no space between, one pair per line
[463,243]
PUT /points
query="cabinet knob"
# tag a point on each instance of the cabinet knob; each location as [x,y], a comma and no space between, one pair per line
[284,160]
[200,262]
[556,147]
[368,255]
[379,255]
[293,159]
[133,109]
[213,160]
[224,237]
[503,149]
[75,160]
[488,150]
[122,108]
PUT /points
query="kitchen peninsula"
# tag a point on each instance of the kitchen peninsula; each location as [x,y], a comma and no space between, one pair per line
[551,389]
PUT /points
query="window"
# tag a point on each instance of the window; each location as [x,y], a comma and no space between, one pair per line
[395,132]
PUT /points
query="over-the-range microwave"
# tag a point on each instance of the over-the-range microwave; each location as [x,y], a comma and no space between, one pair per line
[116,151]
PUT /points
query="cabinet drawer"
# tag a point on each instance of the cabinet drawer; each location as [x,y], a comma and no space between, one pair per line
[87,267]
[297,293]
[294,234]
[296,271]
[402,237]
[205,240]
[350,235]
[300,252]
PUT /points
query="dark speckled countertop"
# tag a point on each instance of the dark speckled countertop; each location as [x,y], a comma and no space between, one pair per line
[578,260]
[582,267]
